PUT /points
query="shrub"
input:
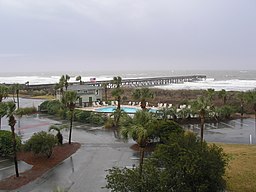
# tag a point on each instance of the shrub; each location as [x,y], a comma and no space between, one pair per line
[26,111]
[43,106]
[97,119]
[225,111]
[62,113]
[89,117]
[53,107]
[41,143]
[82,116]
[6,145]
[109,123]
[182,164]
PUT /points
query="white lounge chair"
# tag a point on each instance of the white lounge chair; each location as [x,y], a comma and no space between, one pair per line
[170,105]
[104,103]
[94,104]
[97,103]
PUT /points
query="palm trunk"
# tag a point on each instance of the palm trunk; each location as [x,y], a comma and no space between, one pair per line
[142,150]
[12,120]
[143,104]
[18,101]
[202,130]
[119,102]
[106,94]
[70,129]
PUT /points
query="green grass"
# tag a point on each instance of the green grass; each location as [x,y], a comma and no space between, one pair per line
[241,170]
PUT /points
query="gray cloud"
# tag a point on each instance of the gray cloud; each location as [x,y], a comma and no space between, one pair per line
[124,34]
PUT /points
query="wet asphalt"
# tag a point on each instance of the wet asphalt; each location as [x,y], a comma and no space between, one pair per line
[85,171]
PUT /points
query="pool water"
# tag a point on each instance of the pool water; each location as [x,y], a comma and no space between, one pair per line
[126,109]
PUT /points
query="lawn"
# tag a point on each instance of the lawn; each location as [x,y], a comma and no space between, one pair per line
[241,170]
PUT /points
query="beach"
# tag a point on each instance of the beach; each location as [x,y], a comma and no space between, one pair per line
[228,80]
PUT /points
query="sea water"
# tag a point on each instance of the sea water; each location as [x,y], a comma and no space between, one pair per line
[228,80]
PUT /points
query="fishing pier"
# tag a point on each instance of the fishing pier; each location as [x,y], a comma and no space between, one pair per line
[134,82]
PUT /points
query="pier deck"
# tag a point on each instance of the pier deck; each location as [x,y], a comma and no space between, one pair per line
[134,82]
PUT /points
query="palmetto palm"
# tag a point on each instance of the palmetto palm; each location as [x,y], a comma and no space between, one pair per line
[66,79]
[8,109]
[3,95]
[79,78]
[139,128]
[117,91]
[105,86]
[164,113]
[210,94]
[223,94]
[142,95]
[58,128]
[69,100]
[251,99]
[3,92]
[16,90]
[201,106]
[61,84]
[117,114]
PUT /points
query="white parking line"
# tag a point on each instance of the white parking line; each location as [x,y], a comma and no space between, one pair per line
[250,121]
[227,124]
[241,123]
[211,126]
[6,167]
[4,160]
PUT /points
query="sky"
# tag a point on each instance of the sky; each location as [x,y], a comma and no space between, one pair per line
[89,35]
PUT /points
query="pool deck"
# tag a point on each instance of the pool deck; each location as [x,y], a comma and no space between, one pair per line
[128,106]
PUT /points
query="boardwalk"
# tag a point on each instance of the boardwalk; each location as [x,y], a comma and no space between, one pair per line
[138,82]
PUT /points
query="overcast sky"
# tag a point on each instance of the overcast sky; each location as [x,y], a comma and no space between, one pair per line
[82,35]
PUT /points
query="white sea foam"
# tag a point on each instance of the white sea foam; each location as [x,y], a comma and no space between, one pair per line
[35,80]
[230,84]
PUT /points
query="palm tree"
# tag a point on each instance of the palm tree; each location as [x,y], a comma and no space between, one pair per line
[210,94]
[105,86]
[66,79]
[61,84]
[142,95]
[223,94]
[79,78]
[8,109]
[58,128]
[17,88]
[242,97]
[69,100]
[251,99]
[201,106]
[117,92]
[3,92]
[3,95]
[164,113]
[140,128]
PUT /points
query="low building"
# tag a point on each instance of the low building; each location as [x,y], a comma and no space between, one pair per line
[87,94]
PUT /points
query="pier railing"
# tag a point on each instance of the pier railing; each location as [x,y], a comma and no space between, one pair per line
[133,82]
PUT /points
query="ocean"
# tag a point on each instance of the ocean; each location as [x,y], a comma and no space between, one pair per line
[228,80]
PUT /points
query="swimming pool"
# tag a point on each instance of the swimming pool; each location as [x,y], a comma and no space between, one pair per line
[111,109]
